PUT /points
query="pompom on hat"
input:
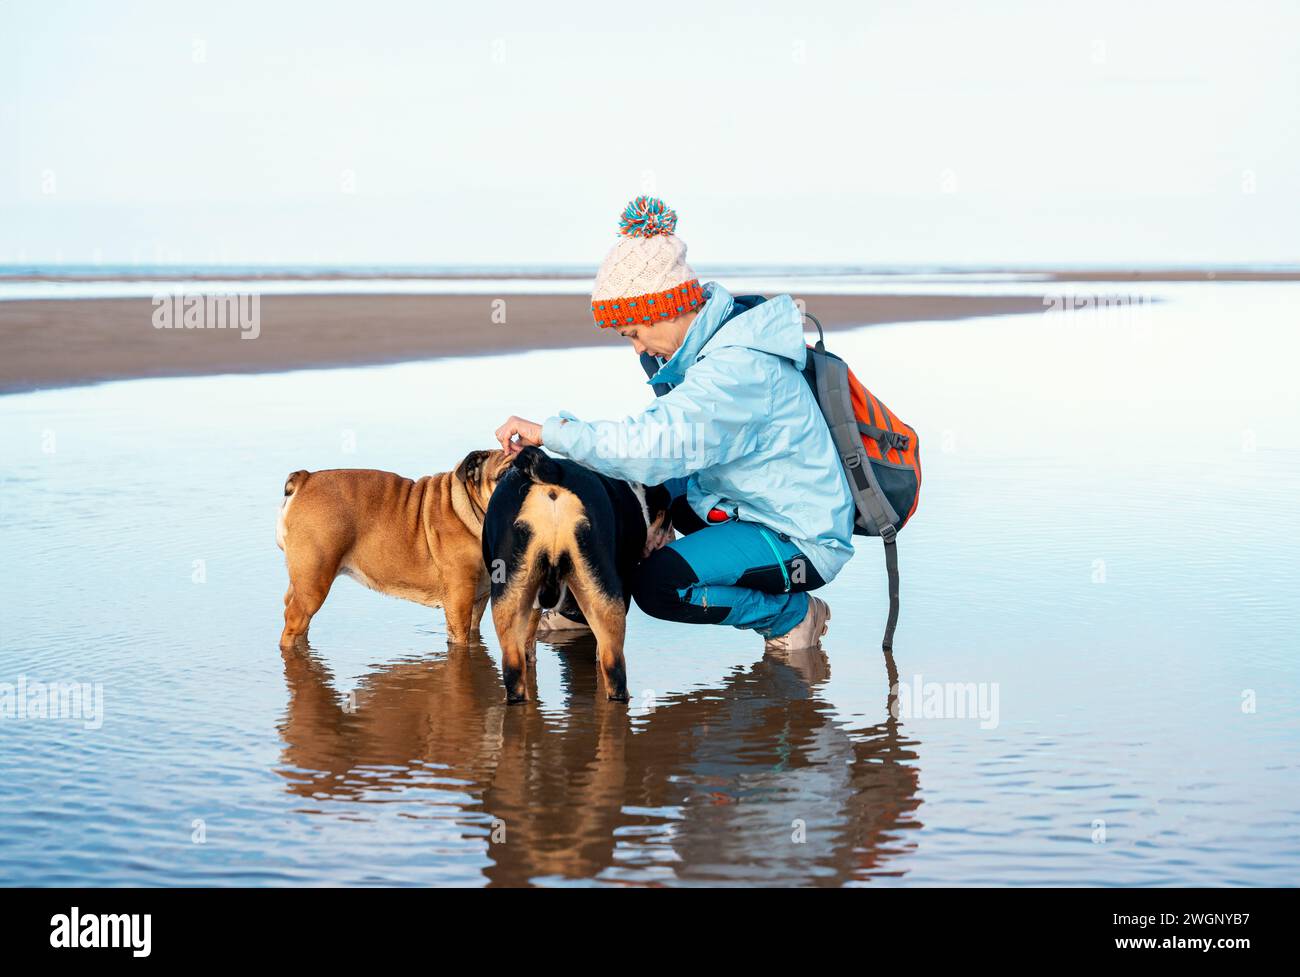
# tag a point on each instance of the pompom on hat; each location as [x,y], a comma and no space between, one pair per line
[645,277]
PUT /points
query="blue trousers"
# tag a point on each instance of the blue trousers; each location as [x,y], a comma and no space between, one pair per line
[736,573]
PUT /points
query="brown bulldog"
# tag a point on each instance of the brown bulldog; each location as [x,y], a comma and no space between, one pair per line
[418,540]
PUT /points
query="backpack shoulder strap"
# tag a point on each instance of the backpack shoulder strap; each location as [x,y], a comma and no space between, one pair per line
[836,401]
[891,571]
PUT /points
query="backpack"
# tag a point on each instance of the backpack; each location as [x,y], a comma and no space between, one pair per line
[881,457]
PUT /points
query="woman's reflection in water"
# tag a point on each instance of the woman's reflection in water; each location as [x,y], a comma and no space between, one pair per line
[751,782]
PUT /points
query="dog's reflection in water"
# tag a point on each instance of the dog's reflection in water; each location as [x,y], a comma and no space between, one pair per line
[750,782]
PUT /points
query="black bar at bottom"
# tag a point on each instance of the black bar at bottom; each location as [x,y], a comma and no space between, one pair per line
[920,926]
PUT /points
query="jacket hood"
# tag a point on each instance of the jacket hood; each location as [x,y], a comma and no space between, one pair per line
[774,326]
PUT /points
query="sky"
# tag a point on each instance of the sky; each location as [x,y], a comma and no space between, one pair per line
[878,134]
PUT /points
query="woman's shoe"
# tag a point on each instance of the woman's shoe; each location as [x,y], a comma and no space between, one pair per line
[807,632]
[552,621]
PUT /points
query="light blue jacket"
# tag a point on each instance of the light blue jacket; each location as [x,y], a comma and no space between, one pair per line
[741,422]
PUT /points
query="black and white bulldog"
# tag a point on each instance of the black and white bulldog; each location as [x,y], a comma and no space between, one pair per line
[560,536]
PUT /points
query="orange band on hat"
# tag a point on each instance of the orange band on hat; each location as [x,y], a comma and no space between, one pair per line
[651,307]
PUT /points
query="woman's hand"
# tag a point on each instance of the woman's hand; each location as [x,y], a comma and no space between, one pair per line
[530,434]
[658,536]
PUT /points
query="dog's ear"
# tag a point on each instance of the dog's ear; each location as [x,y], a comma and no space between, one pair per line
[498,463]
[470,470]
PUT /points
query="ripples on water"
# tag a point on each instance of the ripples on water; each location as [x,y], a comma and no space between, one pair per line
[1107,535]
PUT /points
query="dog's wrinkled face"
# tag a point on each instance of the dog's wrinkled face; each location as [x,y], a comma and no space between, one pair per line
[659,532]
[479,472]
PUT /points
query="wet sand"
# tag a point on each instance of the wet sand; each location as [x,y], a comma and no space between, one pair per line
[65,342]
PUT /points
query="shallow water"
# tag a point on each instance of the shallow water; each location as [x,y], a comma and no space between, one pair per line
[1105,547]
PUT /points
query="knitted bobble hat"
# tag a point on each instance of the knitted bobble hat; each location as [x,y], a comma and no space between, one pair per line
[645,277]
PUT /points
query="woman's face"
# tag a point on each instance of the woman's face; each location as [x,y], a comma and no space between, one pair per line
[659,338]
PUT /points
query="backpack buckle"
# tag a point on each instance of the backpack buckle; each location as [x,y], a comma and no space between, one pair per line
[901,441]
[852,460]
[888,533]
